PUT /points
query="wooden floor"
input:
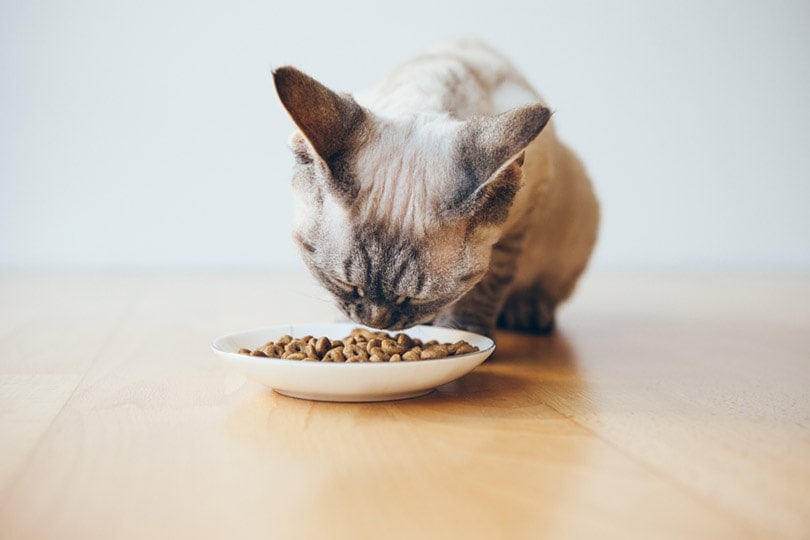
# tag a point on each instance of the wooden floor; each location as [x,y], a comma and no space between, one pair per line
[667,406]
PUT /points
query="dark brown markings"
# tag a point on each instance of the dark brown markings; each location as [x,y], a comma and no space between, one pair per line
[396,279]
[303,243]
[472,276]
[347,268]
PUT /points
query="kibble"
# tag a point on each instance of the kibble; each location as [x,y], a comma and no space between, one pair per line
[360,345]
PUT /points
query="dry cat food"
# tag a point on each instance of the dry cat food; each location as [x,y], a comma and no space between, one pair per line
[359,346]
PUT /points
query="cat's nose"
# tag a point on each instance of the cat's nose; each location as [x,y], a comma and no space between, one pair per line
[377,317]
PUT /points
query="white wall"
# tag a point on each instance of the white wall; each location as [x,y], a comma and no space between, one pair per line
[146,134]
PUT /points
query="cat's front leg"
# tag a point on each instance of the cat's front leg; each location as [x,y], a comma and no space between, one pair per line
[477,311]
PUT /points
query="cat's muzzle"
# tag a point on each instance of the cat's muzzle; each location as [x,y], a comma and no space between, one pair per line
[378,317]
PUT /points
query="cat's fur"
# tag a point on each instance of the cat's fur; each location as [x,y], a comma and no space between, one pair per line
[436,197]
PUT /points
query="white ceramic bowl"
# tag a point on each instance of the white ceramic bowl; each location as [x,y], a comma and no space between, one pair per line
[327,381]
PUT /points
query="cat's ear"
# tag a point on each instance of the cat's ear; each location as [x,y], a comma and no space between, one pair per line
[327,119]
[492,150]
[490,143]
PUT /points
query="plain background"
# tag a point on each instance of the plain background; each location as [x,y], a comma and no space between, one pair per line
[146,135]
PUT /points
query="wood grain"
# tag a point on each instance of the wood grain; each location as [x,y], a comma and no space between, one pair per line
[667,406]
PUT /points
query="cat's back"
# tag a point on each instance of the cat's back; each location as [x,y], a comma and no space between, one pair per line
[462,78]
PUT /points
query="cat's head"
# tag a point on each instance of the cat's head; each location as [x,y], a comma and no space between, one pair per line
[397,217]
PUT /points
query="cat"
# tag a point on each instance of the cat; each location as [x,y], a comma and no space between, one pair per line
[441,196]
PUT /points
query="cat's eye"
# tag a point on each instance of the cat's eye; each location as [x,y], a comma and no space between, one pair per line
[412,301]
[344,286]
[349,288]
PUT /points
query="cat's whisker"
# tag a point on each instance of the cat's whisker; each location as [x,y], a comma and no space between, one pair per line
[325,298]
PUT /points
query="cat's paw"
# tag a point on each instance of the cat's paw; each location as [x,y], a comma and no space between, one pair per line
[525,313]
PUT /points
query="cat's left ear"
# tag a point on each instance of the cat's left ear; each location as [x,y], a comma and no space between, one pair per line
[489,143]
[327,119]
[491,153]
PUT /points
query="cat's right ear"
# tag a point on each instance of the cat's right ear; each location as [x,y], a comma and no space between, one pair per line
[327,119]
[491,153]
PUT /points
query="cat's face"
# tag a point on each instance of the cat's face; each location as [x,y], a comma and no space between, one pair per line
[393,281]
[396,219]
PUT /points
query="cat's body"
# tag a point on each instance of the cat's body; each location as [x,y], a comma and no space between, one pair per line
[433,198]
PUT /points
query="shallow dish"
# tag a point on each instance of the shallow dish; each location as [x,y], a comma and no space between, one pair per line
[327,381]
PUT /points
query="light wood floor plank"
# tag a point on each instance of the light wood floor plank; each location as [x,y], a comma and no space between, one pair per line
[51,330]
[706,380]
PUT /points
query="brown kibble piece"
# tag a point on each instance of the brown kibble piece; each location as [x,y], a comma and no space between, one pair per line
[404,340]
[355,353]
[273,351]
[294,346]
[435,351]
[335,355]
[413,354]
[389,346]
[379,353]
[373,343]
[322,345]
[465,348]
